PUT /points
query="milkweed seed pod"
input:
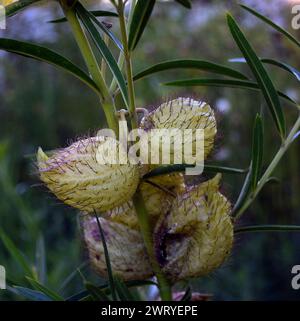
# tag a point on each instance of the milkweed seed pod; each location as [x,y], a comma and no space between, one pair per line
[128,255]
[87,176]
[196,235]
[158,196]
[7,2]
[182,114]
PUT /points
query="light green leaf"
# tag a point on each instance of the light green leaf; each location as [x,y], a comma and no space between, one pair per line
[264,81]
[274,62]
[185,3]
[29,294]
[114,39]
[18,6]
[257,151]
[15,253]
[103,49]
[141,15]
[181,168]
[96,13]
[231,83]
[44,54]
[97,293]
[112,285]
[48,292]
[41,264]
[272,24]
[267,228]
[190,64]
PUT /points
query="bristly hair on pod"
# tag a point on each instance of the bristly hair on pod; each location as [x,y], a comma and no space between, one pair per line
[77,177]
[196,235]
[183,114]
[128,255]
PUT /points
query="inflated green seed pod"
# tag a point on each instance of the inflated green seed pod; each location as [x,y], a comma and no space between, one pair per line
[196,235]
[158,194]
[184,113]
[127,253]
[82,175]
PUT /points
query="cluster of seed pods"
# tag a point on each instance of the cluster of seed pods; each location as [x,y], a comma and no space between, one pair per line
[191,225]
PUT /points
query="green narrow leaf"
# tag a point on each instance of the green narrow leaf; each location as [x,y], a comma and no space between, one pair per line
[230,83]
[103,49]
[114,39]
[272,24]
[257,151]
[267,228]
[96,13]
[181,167]
[190,64]
[141,15]
[262,77]
[187,295]
[18,6]
[48,292]
[243,196]
[96,292]
[41,264]
[28,293]
[185,3]
[122,290]
[274,62]
[15,253]
[107,260]
[44,54]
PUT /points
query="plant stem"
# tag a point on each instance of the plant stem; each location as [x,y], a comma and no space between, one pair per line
[127,57]
[121,59]
[164,286]
[284,147]
[93,67]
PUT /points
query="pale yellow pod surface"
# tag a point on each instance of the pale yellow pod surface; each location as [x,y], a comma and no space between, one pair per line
[196,236]
[184,113]
[158,199]
[78,175]
[128,255]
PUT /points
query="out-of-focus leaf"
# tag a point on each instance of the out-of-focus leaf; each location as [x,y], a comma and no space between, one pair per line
[181,167]
[111,279]
[103,49]
[257,151]
[97,293]
[264,81]
[274,62]
[185,3]
[190,64]
[41,288]
[267,228]
[243,196]
[272,24]
[141,15]
[96,13]
[29,294]
[15,253]
[123,291]
[44,54]
[41,264]
[18,6]
[187,295]
[231,83]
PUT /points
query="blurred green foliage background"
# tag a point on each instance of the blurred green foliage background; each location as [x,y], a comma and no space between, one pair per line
[41,106]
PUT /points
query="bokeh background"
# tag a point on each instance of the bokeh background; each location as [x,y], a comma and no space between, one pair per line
[42,106]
